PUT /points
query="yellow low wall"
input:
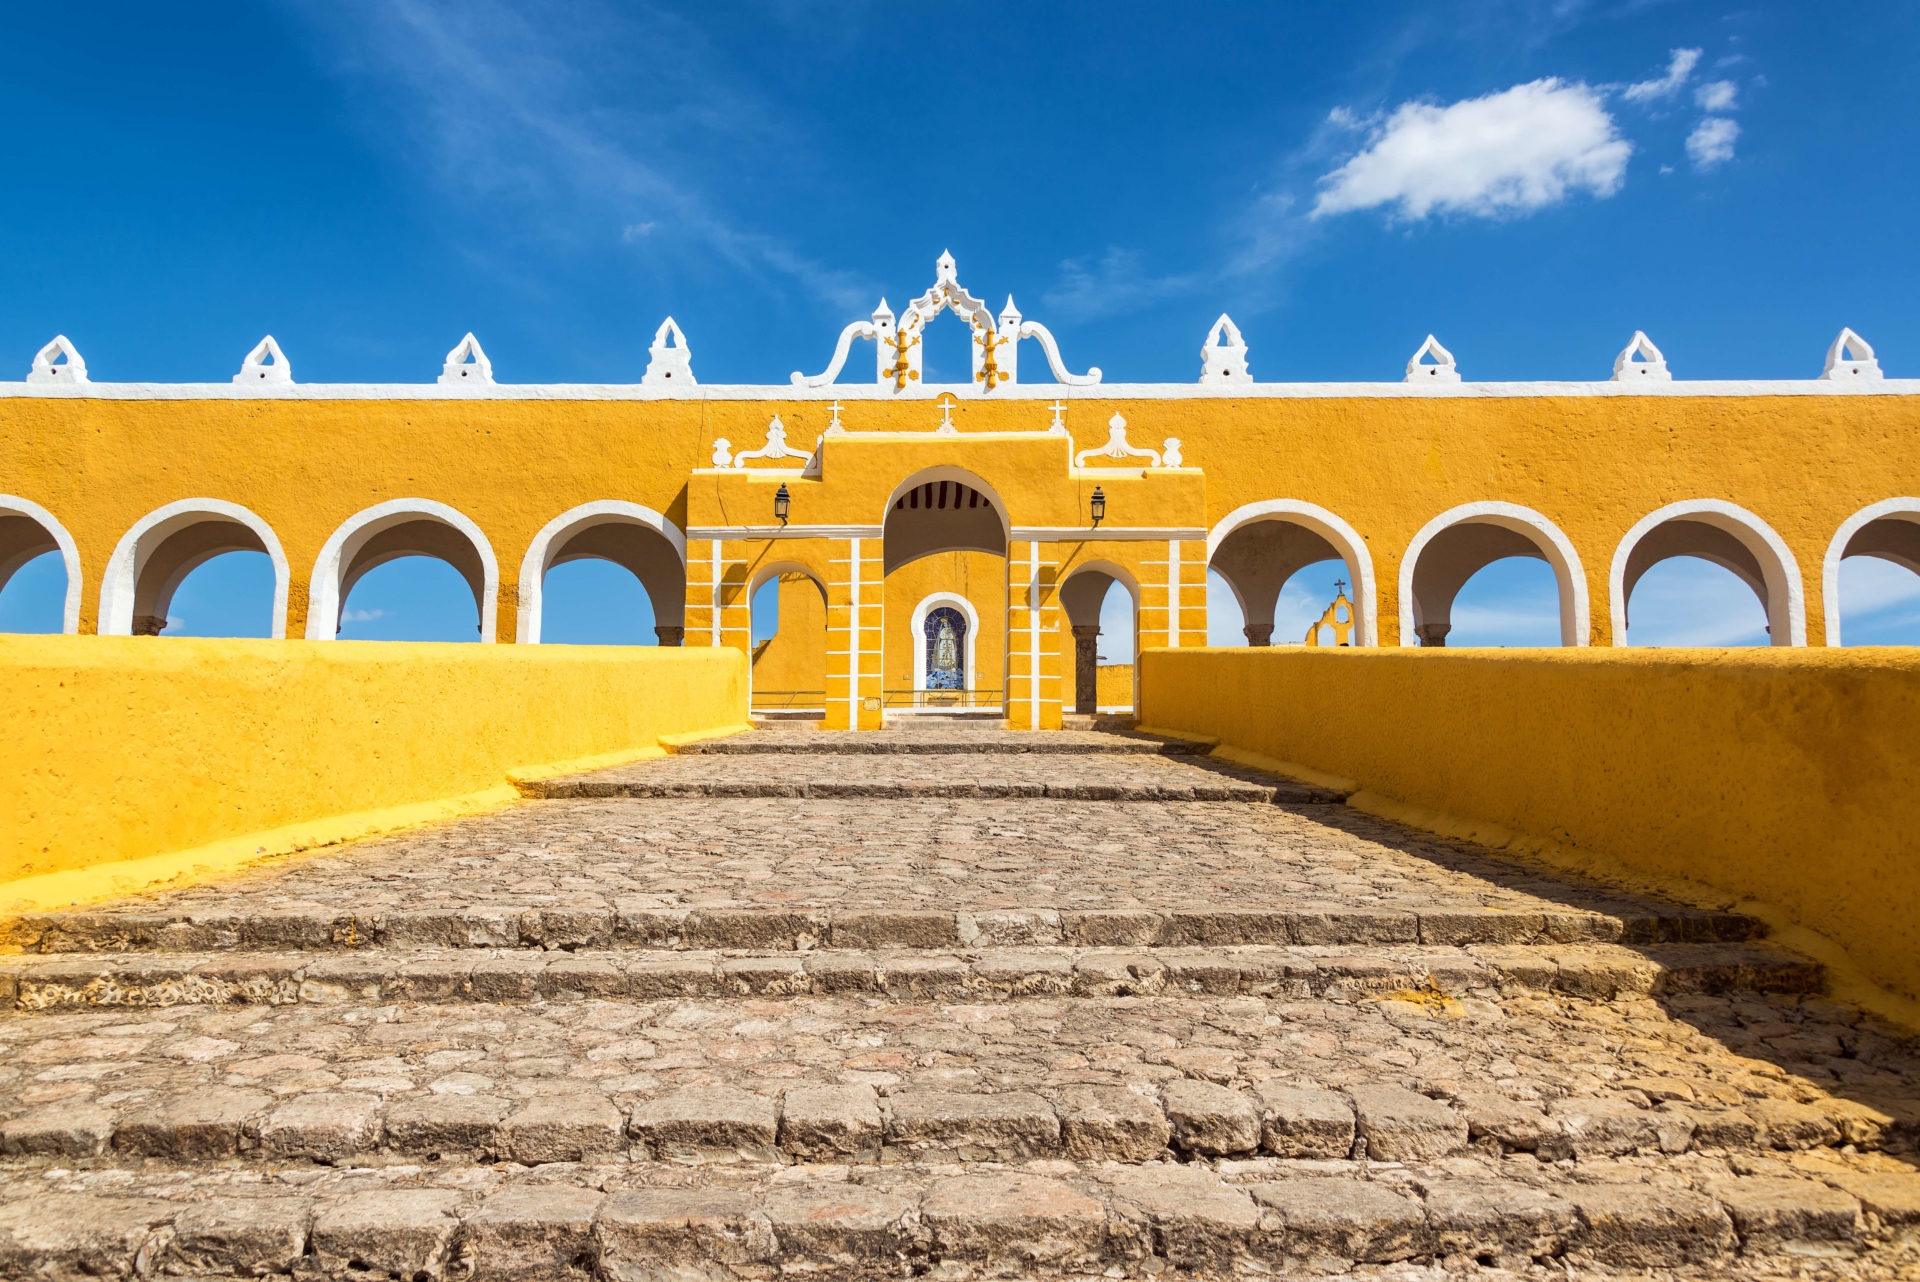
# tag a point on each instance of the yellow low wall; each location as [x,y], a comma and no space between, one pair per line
[1790,777]
[117,750]
[1113,684]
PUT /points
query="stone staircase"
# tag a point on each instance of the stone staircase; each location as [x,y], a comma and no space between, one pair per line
[946,1001]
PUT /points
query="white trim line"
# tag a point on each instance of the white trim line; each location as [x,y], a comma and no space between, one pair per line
[1173,594]
[553,538]
[1033,633]
[1575,615]
[948,472]
[1116,533]
[783,531]
[122,579]
[920,612]
[323,592]
[1837,550]
[1786,603]
[1345,539]
[69,554]
[853,638]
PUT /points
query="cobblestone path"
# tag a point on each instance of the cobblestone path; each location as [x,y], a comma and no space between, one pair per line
[869,1035]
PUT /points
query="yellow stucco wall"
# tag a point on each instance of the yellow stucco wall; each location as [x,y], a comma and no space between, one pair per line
[123,748]
[979,577]
[1114,682]
[1790,777]
[795,657]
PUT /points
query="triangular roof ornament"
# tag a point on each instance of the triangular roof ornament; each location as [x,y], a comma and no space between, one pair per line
[48,367]
[1849,358]
[1443,369]
[669,366]
[1650,367]
[944,269]
[266,363]
[1223,357]
[467,365]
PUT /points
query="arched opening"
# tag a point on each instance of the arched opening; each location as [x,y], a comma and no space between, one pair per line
[789,638]
[1456,546]
[1871,579]
[637,539]
[155,557]
[1257,551]
[392,532]
[1726,536]
[229,595]
[1101,603]
[944,547]
[39,570]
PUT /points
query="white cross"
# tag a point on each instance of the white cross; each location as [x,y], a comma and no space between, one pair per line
[1058,409]
[946,412]
[835,407]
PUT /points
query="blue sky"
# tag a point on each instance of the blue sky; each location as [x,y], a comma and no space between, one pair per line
[1530,181]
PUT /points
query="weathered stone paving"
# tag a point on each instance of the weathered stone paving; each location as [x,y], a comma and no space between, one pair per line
[688,1038]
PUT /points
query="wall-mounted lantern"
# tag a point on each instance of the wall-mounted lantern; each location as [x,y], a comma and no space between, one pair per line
[1098,506]
[781,502]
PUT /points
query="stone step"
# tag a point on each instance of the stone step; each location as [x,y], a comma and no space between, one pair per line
[1047,1219]
[574,787]
[943,739]
[636,922]
[1431,973]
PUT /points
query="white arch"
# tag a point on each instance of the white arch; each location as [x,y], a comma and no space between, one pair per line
[947,472]
[129,558]
[1837,550]
[1786,597]
[758,579]
[323,593]
[554,535]
[932,602]
[69,553]
[1575,612]
[1345,539]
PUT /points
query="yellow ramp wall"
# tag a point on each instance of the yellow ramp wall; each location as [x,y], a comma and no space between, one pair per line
[124,748]
[1791,777]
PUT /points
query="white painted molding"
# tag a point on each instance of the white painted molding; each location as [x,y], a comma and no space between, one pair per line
[323,590]
[669,362]
[1223,357]
[1116,446]
[1034,329]
[1849,358]
[946,472]
[859,329]
[1906,507]
[1650,366]
[724,532]
[467,365]
[49,368]
[1556,547]
[256,372]
[776,447]
[13,505]
[552,540]
[920,613]
[1443,370]
[1786,597]
[1345,539]
[122,579]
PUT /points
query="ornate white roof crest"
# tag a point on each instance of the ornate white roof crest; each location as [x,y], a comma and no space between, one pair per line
[1842,366]
[1651,365]
[1223,357]
[467,365]
[266,363]
[669,366]
[49,368]
[1443,370]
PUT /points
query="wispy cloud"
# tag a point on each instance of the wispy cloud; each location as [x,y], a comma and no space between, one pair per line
[362,616]
[1679,67]
[1711,142]
[533,113]
[1717,95]
[1507,153]
[1688,601]
[1116,283]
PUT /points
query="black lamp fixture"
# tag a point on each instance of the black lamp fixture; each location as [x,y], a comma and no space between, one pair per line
[1098,506]
[781,502]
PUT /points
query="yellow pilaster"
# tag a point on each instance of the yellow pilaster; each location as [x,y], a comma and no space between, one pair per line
[854,635]
[1035,664]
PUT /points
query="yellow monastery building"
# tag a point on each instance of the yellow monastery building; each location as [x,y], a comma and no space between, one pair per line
[950,546]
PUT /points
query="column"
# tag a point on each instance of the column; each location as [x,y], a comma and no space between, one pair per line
[1034,660]
[1086,667]
[854,622]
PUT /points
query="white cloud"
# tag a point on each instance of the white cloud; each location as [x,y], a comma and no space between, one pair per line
[1718,95]
[1679,67]
[1711,142]
[1116,284]
[1507,153]
[362,616]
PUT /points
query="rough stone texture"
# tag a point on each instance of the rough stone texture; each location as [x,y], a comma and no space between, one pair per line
[1503,1223]
[324,1125]
[642,1229]
[60,1130]
[1604,1127]
[1111,1123]
[1023,1221]
[430,1124]
[1014,1124]
[192,1127]
[1515,1124]
[853,1229]
[710,1119]
[399,1232]
[1401,1125]
[1639,1226]
[1193,1220]
[534,1234]
[1296,1122]
[1772,1214]
[820,1123]
[247,1236]
[566,1127]
[1210,1119]
[64,1236]
[1346,1220]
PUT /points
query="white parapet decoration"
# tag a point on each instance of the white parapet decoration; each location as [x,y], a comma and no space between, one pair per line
[467,365]
[1641,361]
[1118,448]
[265,364]
[1443,369]
[1223,357]
[58,362]
[775,448]
[1849,358]
[669,362]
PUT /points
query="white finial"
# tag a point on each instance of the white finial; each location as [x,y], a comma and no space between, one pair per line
[1651,365]
[467,365]
[1059,424]
[1223,357]
[669,364]
[1443,370]
[1850,358]
[944,271]
[1170,456]
[58,362]
[722,452]
[265,364]
[1009,317]
[946,427]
